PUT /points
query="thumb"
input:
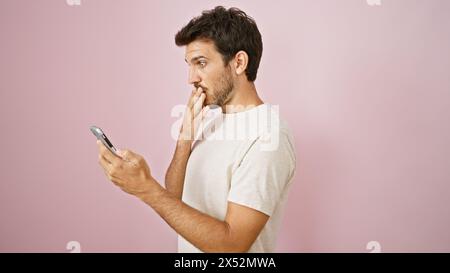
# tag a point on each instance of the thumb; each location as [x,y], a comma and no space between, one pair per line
[130,156]
[124,154]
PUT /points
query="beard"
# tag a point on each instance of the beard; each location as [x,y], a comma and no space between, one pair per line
[222,92]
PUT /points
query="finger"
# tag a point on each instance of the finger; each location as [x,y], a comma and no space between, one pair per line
[116,181]
[131,156]
[106,165]
[199,119]
[199,104]
[199,91]
[195,96]
[192,102]
[126,154]
[109,171]
[192,98]
[201,116]
[108,155]
[121,153]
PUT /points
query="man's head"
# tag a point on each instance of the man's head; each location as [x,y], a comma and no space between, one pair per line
[223,47]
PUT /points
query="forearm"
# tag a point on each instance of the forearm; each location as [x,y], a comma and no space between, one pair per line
[203,231]
[174,180]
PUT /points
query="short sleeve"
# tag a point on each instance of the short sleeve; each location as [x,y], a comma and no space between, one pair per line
[262,176]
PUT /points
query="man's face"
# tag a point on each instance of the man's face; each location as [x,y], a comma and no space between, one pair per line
[207,70]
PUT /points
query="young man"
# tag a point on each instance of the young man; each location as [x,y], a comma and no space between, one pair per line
[223,194]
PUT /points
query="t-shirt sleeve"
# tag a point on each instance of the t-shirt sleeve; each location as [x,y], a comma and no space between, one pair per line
[260,179]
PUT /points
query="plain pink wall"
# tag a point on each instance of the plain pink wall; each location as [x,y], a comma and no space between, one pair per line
[366,90]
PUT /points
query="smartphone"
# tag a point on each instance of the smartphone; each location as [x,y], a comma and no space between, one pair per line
[102,137]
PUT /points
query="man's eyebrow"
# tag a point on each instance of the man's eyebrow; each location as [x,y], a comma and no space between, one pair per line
[196,58]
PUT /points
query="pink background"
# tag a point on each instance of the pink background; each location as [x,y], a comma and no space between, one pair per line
[366,90]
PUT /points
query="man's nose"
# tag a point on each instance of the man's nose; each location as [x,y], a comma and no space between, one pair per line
[193,77]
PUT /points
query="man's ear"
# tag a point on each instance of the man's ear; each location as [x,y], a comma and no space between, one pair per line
[240,62]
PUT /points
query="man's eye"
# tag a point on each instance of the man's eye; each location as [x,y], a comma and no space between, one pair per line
[202,63]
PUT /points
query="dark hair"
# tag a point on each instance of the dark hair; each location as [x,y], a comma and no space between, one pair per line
[231,30]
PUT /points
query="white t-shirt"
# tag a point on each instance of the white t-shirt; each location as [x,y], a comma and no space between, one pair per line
[247,158]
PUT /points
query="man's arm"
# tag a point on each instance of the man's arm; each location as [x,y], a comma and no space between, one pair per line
[176,172]
[236,233]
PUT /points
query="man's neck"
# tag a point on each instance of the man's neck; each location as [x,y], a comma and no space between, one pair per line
[243,98]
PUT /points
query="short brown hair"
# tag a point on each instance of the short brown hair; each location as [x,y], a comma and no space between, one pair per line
[231,30]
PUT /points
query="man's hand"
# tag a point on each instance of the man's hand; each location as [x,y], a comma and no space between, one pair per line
[130,172]
[193,115]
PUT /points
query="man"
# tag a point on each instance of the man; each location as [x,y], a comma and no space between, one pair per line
[221,195]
